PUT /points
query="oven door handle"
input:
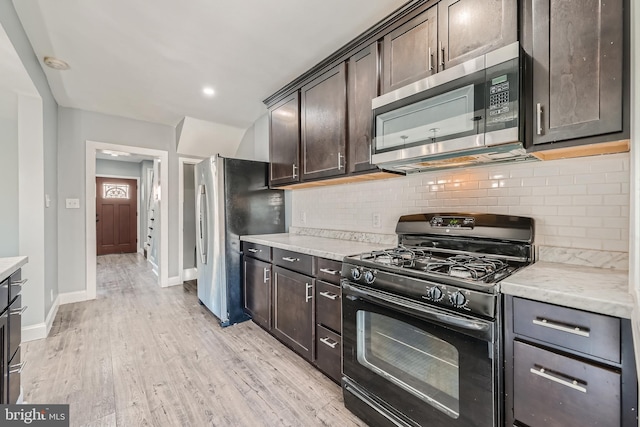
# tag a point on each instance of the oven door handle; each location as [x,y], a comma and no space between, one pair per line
[477,328]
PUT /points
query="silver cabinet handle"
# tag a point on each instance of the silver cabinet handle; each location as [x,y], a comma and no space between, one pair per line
[442,53]
[340,165]
[329,271]
[308,295]
[19,282]
[294,170]
[430,59]
[18,310]
[17,368]
[539,118]
[574,385]
[370,153]
[329,295]
[571,330]
[253,251]
[289,259]
[265,277]
[328,341]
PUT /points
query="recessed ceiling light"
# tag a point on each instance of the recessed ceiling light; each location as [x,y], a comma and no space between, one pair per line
[208,91]
[55,63]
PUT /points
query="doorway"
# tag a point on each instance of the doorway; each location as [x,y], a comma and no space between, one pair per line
[116,216]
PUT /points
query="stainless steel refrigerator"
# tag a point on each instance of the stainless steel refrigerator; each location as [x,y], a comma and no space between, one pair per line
[232,200]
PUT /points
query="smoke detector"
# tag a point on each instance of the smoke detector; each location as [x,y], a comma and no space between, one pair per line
[55,63]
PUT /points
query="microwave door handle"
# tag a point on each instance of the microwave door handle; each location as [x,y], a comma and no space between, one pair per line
[477,328]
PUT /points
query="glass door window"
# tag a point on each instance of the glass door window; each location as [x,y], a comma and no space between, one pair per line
[418,362]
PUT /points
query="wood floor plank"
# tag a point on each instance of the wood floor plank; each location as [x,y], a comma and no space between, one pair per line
[141,355]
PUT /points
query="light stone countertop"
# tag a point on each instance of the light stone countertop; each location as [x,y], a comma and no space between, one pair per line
[323,247]
[9,265]
[604,291]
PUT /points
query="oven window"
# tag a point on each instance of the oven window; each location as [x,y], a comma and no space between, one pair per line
[414,360]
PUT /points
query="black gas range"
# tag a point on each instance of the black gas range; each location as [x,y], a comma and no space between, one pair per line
[422,321]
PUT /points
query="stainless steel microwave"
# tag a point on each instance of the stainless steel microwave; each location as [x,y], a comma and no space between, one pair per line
[468,114]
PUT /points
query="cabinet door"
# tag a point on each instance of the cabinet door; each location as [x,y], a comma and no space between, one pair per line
[363,87]
[324,115]
[410,51]
[257,291]
[293,310]
[284,141]
[577,68]
[470,28]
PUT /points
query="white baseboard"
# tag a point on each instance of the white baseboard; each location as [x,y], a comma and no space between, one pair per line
[52,314]
[190,273]
[173,281]
[34,332]
[71,297]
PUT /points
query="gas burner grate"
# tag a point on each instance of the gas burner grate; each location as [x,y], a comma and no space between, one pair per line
[468,267]
[400,256]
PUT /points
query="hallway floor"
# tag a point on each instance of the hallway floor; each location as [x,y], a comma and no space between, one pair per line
[140,355]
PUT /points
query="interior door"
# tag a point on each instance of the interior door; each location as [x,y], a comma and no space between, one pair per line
[116,215]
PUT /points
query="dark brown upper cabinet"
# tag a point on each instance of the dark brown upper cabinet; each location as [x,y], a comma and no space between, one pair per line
[324,121]
[577,49]
[411,51]
[363,86]
[470,28]
[284,137]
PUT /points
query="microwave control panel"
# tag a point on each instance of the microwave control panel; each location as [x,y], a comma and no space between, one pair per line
[499,98]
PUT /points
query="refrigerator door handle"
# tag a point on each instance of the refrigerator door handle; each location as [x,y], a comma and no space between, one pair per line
[202,234]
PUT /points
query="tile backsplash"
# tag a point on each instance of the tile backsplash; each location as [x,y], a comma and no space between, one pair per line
[576,203]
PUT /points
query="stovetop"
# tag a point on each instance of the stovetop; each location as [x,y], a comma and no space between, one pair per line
[450,260]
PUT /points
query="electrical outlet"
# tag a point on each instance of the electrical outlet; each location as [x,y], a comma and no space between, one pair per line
[376,220]
[72,203]
[303,217]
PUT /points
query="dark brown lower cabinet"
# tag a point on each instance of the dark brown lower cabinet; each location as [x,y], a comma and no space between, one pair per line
[567,367]
[329,352]
[293,314]
[257,291]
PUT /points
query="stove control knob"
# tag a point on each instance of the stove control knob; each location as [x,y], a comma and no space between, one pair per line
[356,273]
[457,299]
[369,277]
[435,294]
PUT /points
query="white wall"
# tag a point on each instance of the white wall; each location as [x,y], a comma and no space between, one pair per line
[45,288]
[9,183]
[75,128]
[577,203]
[255,142]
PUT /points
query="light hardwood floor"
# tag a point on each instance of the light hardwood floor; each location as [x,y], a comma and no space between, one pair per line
[140,355]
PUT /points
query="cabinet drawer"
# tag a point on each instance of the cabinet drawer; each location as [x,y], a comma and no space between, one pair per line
[329,270]
[4,295]
[15,284]
[554,390]
[589,333]
[329,305]
[328,351]
[261,252]
[15,325]
[14,372]
[295,261]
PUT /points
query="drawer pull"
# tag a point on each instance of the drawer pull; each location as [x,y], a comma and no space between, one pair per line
[329,295]
[288,258]
[19,282]
[329,271]
[308,295]
[575,330]
[17,368]
[253,251]
[18,310]
[573,384]
[265,278]
[328,341]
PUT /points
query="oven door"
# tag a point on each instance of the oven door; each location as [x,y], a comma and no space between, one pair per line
[409,364]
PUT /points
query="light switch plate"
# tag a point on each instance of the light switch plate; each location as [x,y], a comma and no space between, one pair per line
[72,203]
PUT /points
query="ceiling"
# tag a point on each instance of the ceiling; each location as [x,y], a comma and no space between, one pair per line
[150,60]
